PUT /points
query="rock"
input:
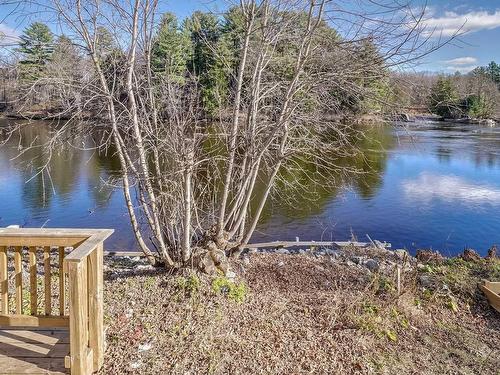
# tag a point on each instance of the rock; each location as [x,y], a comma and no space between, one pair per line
[357,260]
[135,365]
[492,252]
[252,250]
[425,281]
[350,263]
[246,260]
[470,255]
[302,252]
[429,256]
[401,254]
[204,262]
[145,347]
[230,275]
[281,263]
[282,251]
[218,256]
[372,265]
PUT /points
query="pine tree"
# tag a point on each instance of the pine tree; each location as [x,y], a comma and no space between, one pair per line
[172,49]
[36,47]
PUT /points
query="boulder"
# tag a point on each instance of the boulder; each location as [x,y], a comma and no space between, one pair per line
[492,252]
[401,254]
[470,255]
[372,265]
[429,256]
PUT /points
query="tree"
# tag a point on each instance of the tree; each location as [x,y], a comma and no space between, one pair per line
[172,49]
[444,99]
[36,47]
[196,185]
[211,59]
[493,70]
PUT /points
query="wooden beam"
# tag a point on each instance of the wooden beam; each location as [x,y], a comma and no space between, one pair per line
[18,268]
[16,320]
[62,289]
[96,309]
[78,321]
[84,250]
[4,281]
[33,281]
[47,281]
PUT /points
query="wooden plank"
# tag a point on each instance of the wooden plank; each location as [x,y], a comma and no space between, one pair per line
[62,289]
[78,316]
[41,241]
[30,350]
[18,268]
[33,281]
[270,245]
[96,309]
[49,232]
[82,251]
[4,286]
[16,320]
[491,290]
[47,281]
[35,336]
[46,366]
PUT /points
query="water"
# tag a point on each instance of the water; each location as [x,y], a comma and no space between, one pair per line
[431,185]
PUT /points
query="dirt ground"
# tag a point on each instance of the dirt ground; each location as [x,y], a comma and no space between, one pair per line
[303,314]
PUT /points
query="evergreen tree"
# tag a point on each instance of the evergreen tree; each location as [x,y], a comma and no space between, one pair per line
[443,99]
[210,60]
[172,49]
[36,47]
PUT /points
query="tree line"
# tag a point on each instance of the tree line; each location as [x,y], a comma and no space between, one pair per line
[209,117]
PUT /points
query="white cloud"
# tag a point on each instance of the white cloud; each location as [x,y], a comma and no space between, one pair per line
[452,22]
[461,69]
[8,35]
[450,189]
[467,60]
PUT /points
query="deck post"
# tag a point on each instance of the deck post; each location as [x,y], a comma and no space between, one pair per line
[78,321]
[96,313]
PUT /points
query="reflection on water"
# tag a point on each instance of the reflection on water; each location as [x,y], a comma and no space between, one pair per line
[427,187]
[430,185]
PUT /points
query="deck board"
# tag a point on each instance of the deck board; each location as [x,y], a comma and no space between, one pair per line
[33,351]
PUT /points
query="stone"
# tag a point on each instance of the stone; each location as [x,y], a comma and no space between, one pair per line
[492,252]
[282,251]
[401,254]
[281,263]
[372,265]
[425,281]
[230,275]
[357,260]
[218,256]
[429,256]
[145,347]
[470,255]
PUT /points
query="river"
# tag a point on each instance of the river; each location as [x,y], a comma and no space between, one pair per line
[427,185]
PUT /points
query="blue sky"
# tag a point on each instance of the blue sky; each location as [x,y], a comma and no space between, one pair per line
[479,20]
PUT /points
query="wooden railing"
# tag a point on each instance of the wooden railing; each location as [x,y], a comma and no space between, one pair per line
[75,258]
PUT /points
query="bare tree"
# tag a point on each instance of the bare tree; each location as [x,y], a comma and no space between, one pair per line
[195,186]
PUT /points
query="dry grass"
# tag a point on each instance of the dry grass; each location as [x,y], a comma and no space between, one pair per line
[301,314]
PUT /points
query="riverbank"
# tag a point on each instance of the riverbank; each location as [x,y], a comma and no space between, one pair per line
[322,312]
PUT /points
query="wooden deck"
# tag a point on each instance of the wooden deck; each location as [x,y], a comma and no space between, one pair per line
[52,321]
[33,351]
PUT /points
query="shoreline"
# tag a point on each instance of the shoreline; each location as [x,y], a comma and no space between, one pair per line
[303,313]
